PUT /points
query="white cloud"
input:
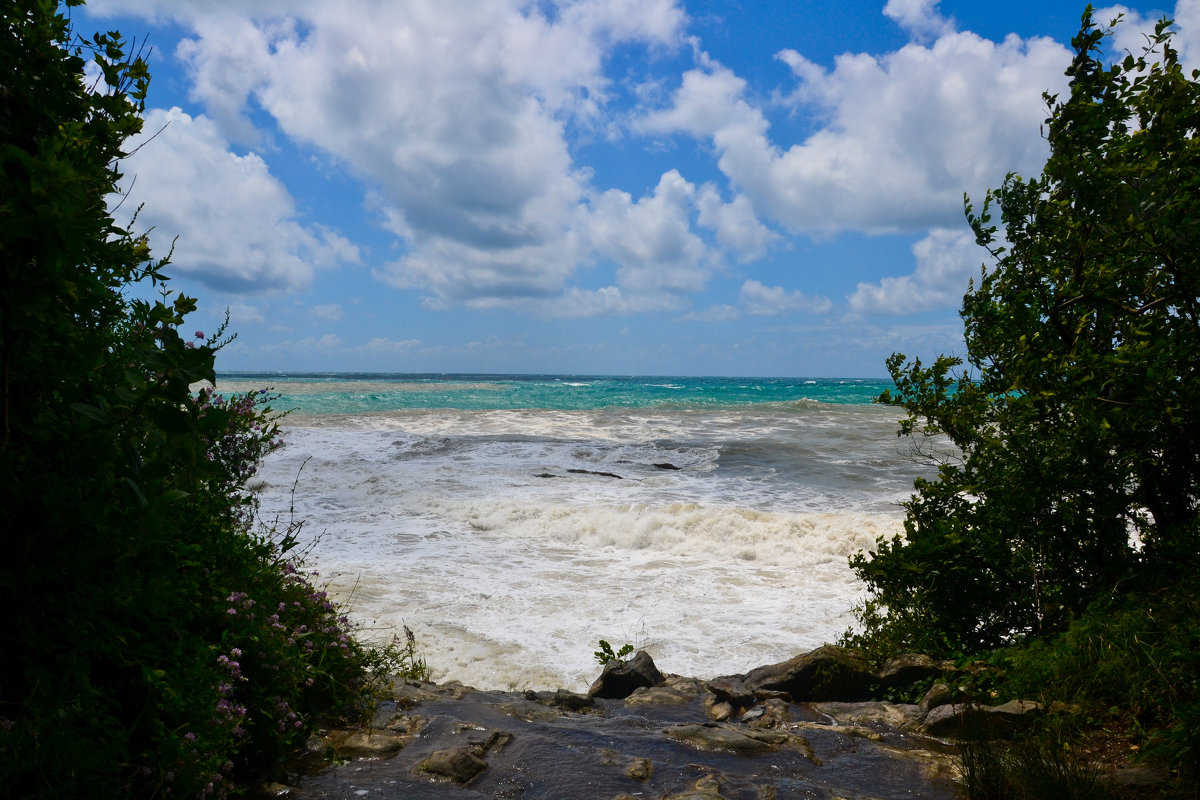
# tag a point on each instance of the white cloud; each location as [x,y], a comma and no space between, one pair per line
[735,223]
[452,113]
[329,343]
[244,314]
[766,301]
[1130,35]
[919,17]
[383,345]
[235,222]
[901,137]
[333,312]
[947,260]
[226,70]
[717,313]
[651,239]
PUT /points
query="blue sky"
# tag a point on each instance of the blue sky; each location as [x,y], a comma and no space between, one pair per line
[595,187]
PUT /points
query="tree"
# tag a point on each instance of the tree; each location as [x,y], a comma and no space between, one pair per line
[1077,416]
[157,642]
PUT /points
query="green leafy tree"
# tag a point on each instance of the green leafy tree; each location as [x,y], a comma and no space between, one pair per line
[157,642]
[1076,419]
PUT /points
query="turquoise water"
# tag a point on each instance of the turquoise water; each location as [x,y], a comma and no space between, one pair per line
[356,393]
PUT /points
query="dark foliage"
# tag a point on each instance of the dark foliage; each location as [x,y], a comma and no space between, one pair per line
[157,645]
[1078,420]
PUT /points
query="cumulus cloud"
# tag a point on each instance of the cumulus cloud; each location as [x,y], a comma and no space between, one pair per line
[737,227]
[947,260]
[1130,35]
[769,301]
[236,224]
[453,112]
[900,136]
[383,345]
[651,239]
[919,17]
[456,117]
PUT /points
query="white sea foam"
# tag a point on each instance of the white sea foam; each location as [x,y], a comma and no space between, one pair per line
[496,536]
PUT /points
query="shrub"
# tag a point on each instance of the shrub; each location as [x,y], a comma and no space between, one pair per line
[160,642]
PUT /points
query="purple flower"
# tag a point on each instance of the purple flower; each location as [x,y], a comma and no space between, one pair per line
[199,334]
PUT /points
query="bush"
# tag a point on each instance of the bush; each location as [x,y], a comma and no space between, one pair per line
[1076,422]
[1043,763]
[1133,664]
[161,642]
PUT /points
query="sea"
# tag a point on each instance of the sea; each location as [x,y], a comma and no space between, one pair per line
[514,521]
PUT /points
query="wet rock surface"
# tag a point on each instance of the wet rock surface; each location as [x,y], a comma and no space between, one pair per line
[619,679]
[827,673]
[660,742]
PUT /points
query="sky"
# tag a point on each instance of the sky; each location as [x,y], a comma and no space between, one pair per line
[628,187]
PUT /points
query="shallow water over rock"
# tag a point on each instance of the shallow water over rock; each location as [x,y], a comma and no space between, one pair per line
[457,742]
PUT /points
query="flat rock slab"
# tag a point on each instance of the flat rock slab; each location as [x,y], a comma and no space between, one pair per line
[366,744]
[467,745]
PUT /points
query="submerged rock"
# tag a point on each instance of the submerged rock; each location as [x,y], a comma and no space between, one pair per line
[366,744]
[639,769]
[706,788]
[594,472]
[463,763]
[742,741]
[459,764]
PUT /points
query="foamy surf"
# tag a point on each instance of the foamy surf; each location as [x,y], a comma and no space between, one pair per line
[512,540]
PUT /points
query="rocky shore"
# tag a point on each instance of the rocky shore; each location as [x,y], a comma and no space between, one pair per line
[807,727]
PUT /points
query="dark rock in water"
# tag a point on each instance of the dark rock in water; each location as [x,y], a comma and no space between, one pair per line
[720,737]
[775,714]
[659,696]
[731,692]
[571,701]
[366,744]
[827,673]
[706,788]
[622,678]
[545,475]
[640,770]
[910,668]
[665,465]
[594,472]
[718,710]
[567,701]
[462,764]
[459,764]
[741,741]
[753,714]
